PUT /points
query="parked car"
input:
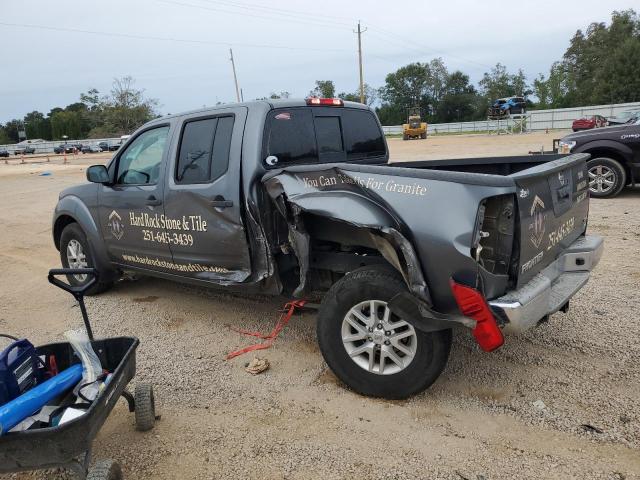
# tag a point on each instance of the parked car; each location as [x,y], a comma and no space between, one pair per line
[615,156]
[64,148]
[24,150]
[104,146]
[587,123]
[291,197]
[624,117]
[503,107]
[4,152]
[114,146]
[91,149]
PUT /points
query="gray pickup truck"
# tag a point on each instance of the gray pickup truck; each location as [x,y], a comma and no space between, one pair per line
[297,198]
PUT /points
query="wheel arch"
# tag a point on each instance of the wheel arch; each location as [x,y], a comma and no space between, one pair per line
[59,225]
[71,210]
[613,150]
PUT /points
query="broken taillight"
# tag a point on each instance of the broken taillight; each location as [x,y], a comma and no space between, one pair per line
[472,304]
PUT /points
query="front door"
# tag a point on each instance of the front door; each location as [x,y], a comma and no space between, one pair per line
[203,201]
[131,210]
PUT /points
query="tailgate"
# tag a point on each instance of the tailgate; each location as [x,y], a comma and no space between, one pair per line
[553,204]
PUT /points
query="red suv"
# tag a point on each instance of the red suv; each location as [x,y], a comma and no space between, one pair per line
[587,123]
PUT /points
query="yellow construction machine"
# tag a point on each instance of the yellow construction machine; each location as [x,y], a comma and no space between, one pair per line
[415,127]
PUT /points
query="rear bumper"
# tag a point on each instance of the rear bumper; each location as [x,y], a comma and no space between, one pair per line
[552,288]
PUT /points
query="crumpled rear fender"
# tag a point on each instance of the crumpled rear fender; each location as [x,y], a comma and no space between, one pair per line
[355,206]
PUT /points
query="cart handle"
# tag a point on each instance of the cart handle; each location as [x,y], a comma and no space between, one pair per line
[77,291]
[72,289]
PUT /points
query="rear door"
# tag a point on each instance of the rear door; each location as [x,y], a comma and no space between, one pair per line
[553,201]
[202,200]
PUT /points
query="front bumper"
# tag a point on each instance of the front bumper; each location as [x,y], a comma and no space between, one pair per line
[552,288]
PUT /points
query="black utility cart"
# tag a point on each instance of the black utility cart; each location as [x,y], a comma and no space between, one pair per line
[69,445]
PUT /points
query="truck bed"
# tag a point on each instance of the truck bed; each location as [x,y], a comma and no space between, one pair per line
[487,165]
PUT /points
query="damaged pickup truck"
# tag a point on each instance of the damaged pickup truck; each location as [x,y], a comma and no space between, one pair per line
[297,198]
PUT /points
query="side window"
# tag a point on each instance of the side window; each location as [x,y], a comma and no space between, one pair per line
[290,136]
[362,135]
[204,150]
[328,134]
[140,162]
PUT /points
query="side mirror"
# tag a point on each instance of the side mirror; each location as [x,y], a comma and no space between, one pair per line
[98,174]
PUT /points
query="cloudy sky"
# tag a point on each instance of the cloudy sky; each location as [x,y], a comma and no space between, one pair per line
[178,50]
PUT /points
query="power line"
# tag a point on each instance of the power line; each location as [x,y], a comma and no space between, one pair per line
[412,44]
[166,39]
[265,16]
[286,11]
[315,19]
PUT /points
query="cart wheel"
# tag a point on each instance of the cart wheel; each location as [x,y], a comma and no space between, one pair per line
[145,407]
[105,470]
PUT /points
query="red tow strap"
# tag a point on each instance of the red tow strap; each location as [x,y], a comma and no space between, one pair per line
[287,313]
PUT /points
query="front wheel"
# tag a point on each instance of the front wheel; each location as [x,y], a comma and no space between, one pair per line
[371,349]
[607,177]
[75,252]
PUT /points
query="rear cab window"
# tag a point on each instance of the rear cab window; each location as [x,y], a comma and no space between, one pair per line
[303,135]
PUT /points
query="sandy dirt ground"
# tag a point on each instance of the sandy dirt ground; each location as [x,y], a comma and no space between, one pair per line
[559,402]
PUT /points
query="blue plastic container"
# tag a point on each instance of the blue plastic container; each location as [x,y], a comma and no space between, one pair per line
[19,370]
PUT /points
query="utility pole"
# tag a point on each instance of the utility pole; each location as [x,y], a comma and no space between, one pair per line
[360,32]
[235,77]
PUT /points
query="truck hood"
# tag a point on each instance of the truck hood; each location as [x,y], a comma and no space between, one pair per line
[79,190]
[613,133]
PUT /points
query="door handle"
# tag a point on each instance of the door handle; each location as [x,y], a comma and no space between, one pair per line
[153,201]
[221,203]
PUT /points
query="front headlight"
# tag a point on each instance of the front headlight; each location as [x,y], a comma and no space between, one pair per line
[566,146]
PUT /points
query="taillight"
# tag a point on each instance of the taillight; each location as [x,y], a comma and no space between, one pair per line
[472,304]
[331,102]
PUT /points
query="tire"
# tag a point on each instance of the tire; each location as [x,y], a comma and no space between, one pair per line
[405,137]
[145,407]
[607,177]
[423,136]
[72,236]
[105,470]
[391,380]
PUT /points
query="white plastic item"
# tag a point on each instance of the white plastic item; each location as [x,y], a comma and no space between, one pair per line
[91,366]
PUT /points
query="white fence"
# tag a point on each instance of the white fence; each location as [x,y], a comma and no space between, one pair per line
[47,146]
[559,118]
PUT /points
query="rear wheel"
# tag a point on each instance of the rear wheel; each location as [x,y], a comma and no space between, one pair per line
[423,136]
[75,252]
[607,177]
[371,349]
[145,407]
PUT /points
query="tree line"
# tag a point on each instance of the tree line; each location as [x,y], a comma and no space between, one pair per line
[600,66]
[117,113]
